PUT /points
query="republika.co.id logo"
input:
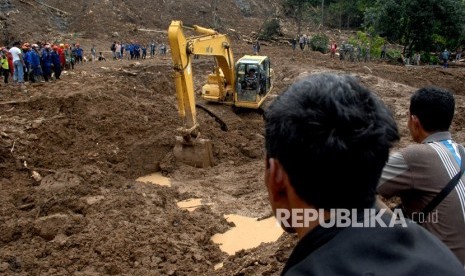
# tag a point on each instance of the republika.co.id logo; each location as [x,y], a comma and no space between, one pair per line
[370,217]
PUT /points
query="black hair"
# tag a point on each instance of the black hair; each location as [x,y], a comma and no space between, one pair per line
[16,43]
[332,136]
[434,107]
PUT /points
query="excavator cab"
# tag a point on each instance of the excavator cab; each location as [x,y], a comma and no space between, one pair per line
[253,81]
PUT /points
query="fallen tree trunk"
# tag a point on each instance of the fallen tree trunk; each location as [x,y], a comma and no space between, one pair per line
[52,8]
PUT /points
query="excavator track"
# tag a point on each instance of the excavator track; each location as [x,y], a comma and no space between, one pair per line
[222,114]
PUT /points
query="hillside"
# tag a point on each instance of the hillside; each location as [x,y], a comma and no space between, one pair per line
[108,20]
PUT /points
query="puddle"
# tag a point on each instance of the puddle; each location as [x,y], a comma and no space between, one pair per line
[248,233]
[155,178]
[191,204]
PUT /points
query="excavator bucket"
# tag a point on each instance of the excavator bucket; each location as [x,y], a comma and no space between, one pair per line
[197,152]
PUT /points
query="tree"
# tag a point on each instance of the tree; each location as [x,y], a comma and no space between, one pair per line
[346,13]
[271,27]
[296,9]
[216,19]
[419,25]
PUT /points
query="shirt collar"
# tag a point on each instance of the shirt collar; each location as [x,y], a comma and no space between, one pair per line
[437,136]
[313,240]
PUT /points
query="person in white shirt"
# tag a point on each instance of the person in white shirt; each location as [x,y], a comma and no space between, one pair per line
[18,63]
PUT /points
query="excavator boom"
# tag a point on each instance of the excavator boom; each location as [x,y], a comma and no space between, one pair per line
[189,147]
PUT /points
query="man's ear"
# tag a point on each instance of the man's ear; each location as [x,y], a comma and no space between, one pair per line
[417,124]
[277,180]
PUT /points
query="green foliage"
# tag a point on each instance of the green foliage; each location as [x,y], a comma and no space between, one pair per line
[345,13]
[419,25]
[270,29]
[393,54]
[364,39]
[439,42]
[296,9]
[319,42]
[430,59]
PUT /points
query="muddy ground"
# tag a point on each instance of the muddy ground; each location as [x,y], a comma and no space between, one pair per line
[87,138]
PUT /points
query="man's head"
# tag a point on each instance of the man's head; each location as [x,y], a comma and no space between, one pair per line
[327,139]
[251,72]
[431,110]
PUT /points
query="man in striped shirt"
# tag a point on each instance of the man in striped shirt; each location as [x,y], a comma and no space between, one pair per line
[420,171]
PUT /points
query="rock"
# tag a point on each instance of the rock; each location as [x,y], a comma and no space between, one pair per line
[4,267]
[156,260]
[60,181]
[197,257]
[368,69]
[9,231]
[36,123]
[262,262]
[33,137]
[36,176]
[49,226]
[26,207]
[60,239]
[91,200]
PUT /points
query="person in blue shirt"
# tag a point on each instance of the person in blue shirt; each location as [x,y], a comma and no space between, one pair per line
[136,50]
[26,69]
[144,51]
[445,58]
[79,52]
[152,48]
[34,57]
[56,62]
[131,50]
[46,61]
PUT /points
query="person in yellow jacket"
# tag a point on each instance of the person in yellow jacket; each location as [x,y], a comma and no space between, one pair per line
[5,69]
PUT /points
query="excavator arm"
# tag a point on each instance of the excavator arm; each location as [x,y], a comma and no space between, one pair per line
[208,42]
[190,148]
[183,80]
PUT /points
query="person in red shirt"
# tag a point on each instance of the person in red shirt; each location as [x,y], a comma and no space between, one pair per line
[61,53]
[333,49]
[10,62]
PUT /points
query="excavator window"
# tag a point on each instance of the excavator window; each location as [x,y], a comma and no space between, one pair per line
[248,76]
[250,80]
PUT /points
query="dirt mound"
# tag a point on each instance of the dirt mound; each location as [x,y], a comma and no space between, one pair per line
[140,20]
[70,152]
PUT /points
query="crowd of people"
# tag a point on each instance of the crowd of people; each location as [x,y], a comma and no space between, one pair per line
[135,50]
[43,61]
[37,62]
[360,51]
[347,51]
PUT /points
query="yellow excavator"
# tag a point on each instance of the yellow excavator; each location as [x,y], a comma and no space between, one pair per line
[244,84]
